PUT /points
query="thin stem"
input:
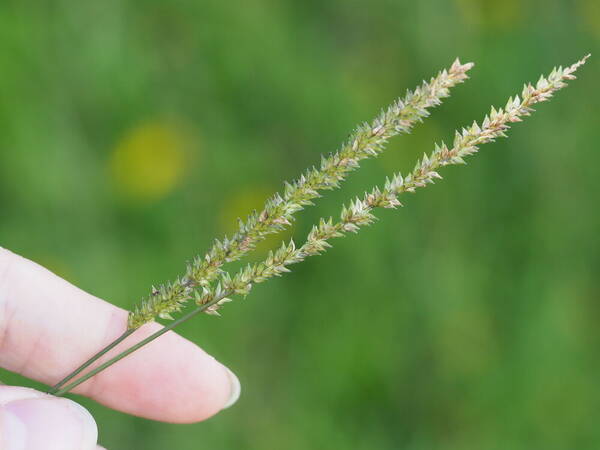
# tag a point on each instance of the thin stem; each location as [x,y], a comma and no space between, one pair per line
[90,361]
[139,345]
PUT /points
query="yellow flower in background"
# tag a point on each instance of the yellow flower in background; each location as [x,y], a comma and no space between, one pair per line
[149,161]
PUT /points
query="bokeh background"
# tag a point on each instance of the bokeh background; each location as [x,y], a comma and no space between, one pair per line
[134,132]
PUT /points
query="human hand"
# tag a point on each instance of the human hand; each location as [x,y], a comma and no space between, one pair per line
[48,327]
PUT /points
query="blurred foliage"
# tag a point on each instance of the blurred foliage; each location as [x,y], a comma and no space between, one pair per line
[133,131]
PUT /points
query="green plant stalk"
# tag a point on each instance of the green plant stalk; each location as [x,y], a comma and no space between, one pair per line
[62,391]
[91,361]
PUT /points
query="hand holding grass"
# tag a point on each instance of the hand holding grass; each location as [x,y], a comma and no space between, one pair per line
[48,325]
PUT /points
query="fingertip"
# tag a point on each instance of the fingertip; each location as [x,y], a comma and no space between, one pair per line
[169,380]
[43,421]
[54,326]
[216,390]
[214,393]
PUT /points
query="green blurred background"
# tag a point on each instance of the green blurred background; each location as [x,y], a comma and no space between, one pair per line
[133,132]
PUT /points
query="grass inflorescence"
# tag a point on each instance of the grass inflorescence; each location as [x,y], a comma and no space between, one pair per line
[367,141]
[210,286]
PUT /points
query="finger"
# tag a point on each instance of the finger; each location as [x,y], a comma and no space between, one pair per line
[30,420]
[48,327]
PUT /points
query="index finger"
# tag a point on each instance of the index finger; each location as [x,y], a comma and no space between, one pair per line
[48,327]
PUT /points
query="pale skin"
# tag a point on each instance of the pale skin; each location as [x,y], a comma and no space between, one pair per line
[48,327]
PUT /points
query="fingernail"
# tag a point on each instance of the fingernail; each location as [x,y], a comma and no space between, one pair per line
[235,389]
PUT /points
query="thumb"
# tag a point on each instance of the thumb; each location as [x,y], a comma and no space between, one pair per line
[31,420]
